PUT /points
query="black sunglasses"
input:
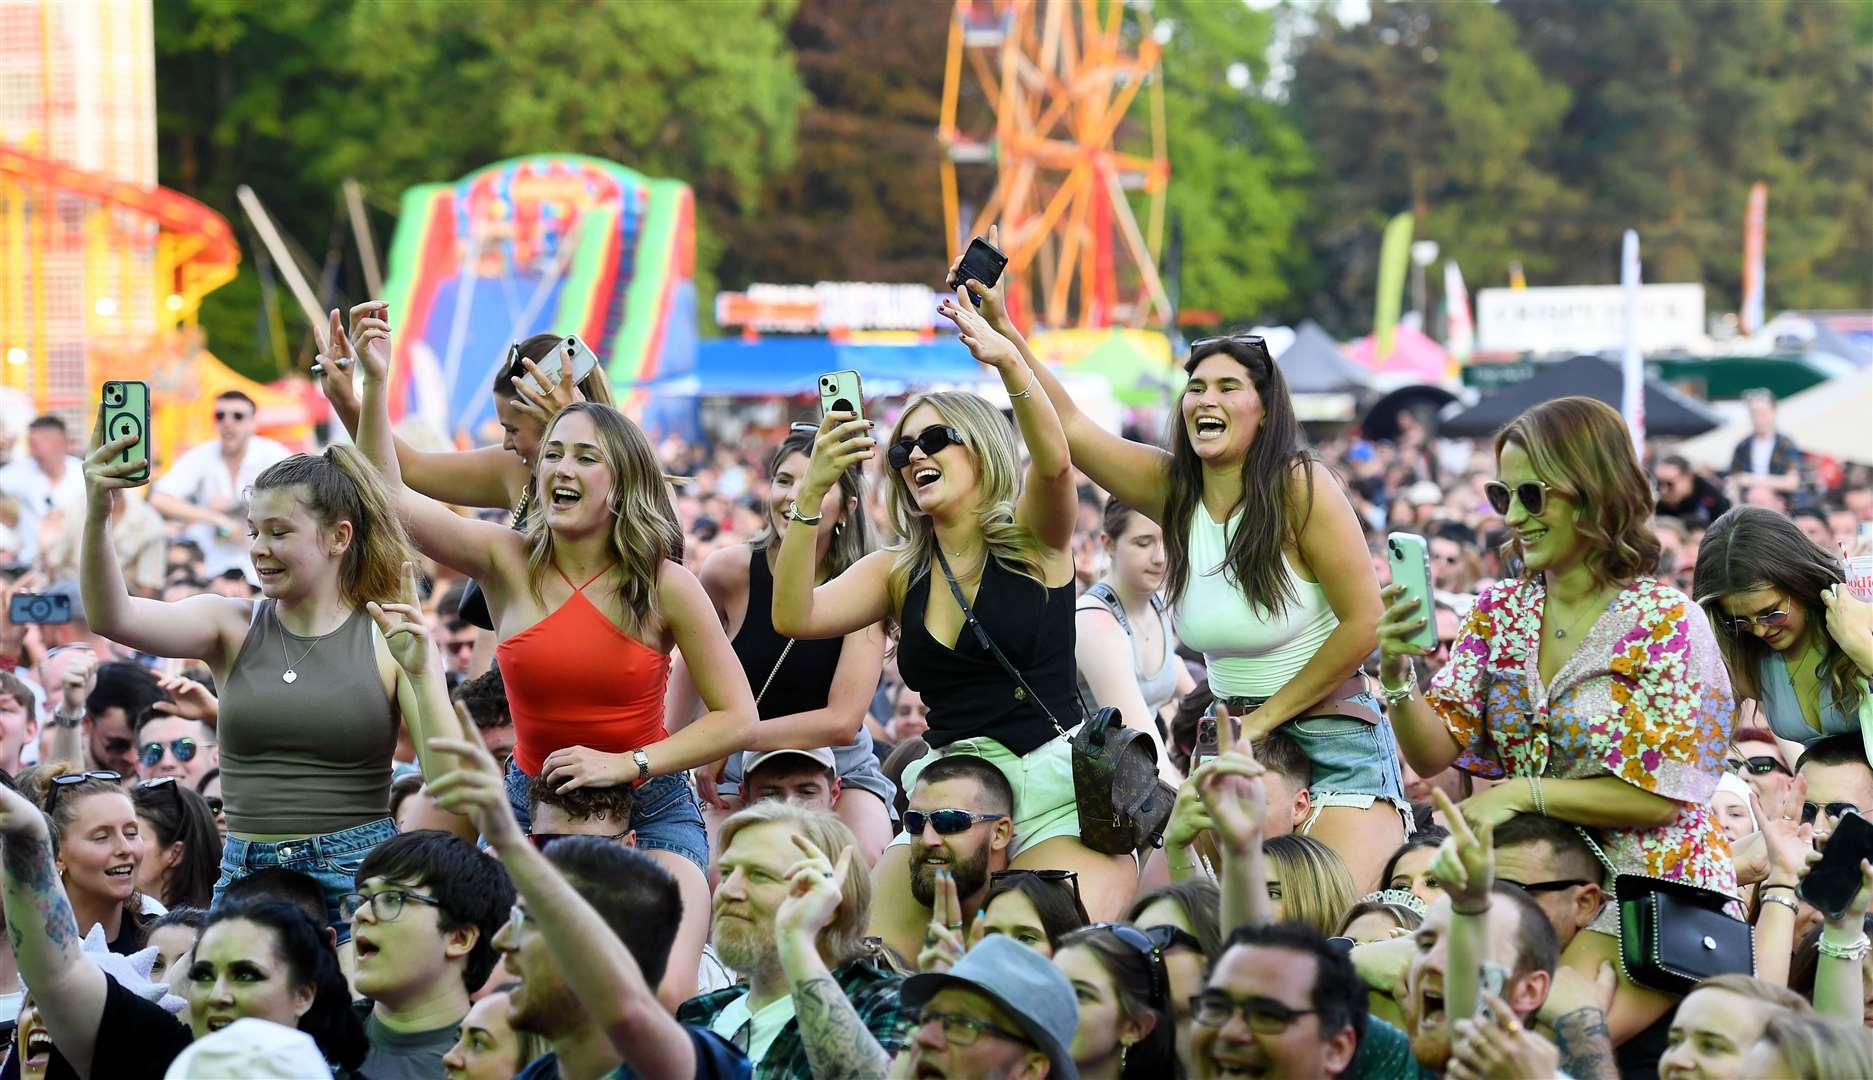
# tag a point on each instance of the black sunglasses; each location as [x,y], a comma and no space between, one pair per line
[1069,878]
[1149,949]
[215,805]
[1835,810]
[1167,937]
[1253,341]
[945,822]
[930,440]
[1532,494]
[60,783]
[183,748]
[1545,886]
[1759,765]
[163,783]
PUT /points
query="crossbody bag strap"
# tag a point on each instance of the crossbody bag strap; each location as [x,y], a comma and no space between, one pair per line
[776,671]
[982,636]
[1598,853]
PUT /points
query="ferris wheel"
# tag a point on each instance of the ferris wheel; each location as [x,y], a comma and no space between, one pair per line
[1050,133]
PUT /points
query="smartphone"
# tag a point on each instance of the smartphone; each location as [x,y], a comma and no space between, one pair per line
[127,412]
[1411,567]
[1832,882]
[1211,740]
[41,608]
[583,360]
[983,262]
[840,391]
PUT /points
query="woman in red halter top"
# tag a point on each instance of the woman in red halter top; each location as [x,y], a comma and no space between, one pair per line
[588,600]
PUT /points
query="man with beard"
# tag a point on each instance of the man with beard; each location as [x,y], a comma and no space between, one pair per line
[588,939]
[961,824]
[761,848]
[1280,1002]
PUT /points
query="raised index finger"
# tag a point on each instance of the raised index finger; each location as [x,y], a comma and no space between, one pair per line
[1459,828]
[807,847]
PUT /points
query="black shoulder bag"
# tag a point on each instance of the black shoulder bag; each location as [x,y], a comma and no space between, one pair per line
[1672,934]
[1123,805]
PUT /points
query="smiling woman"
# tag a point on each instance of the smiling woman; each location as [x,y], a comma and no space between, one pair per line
[96,839]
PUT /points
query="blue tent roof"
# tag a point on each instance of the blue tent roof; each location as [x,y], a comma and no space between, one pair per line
[731,367]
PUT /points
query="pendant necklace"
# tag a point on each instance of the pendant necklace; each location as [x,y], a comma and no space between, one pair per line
[291,674]
[1575,625]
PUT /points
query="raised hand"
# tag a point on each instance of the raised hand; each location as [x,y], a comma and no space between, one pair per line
[815,887]
[475,788]
[1189,818]
[405,629]
[994,303]
[983,341]
[1850,921]
[1466,861]
[193,701]
[1850,624]
[370,337]
[1788,841]
[541,397]
[943,941]
[105,472]
[1234,794]
[1404,616]
[844,440]
[19,817]
[332,367]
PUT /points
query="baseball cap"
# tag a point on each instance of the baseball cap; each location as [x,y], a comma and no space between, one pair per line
[1024,983]
[254,1049]
[823,756]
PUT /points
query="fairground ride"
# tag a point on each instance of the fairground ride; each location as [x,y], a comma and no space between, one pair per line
[1046,119]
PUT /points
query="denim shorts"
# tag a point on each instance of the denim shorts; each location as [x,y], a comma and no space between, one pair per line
[1355,762]
[1042,781]
[331,859]
[665,816]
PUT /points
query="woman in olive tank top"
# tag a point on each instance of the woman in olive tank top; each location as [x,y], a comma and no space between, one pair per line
[311,695]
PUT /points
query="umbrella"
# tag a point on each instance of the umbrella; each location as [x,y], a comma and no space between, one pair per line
[1413,354]
[1834,419]
[1314,364]
[1381,421]
[1667,412]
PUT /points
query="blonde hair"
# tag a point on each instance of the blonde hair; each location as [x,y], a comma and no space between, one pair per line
[1748,986]
[1581,449]
[1316,887]
[844,937]
[1819,1048]
[342,485]
[644,532]
[990,442]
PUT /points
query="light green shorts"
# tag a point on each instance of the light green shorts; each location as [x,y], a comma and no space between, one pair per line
[1042,782]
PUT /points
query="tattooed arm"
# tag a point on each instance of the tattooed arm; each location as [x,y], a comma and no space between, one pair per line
[1586,1046]
[68,988]
[838,1044]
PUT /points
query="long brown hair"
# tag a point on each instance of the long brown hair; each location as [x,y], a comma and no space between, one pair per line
[851,535]
[1270,520]
[341,485]
[1580,448]
[1750,547]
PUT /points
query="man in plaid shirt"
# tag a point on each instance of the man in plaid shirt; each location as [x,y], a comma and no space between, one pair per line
[816,1003]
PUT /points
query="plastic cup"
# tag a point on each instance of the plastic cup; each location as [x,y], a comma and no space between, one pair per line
[1860,577]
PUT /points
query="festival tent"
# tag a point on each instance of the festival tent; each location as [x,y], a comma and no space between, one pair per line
[1667,412]
[1135,363]
[1314,364]
[1834,419]
[1414,358]
[770,366]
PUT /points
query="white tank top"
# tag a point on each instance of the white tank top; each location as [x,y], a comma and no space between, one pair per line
[1250,650]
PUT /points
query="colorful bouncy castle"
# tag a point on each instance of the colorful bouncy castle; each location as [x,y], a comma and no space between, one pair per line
[558,243]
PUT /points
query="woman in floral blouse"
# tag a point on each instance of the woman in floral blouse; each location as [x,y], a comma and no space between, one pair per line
[1596,692]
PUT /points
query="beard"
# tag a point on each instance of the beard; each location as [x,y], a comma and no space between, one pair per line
[549,1010]
[970,870]
[746,946]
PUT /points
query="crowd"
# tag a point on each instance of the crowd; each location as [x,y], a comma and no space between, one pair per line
[590,755]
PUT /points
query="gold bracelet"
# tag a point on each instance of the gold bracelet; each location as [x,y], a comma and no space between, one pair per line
[1029,388]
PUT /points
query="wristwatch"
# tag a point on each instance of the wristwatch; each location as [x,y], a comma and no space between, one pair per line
[61,718]
[643,765]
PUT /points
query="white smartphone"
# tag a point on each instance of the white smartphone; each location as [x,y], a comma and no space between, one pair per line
[583,360]
[840,391]
[1411,567]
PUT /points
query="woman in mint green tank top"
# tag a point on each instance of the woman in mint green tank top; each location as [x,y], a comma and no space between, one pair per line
[1795,640]
[1292,553]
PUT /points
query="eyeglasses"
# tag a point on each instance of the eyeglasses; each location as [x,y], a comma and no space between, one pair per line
[1532,494]
[183,748]
[540,839]
[960,1030]
[945,822]
[1835,810]
[386,906]
[60,783]
[1069,878]
[1150,950]
[1546,886]
[1253,341]
[224,415]
[1265,1016]
[930,440]
[1758,765]
[1768,620]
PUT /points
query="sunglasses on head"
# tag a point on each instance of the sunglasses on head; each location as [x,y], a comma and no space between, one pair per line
[1069,878]
[930,440]
[1150,950]
[152,752]
[1834,810]
[1252,341]
[1768,620]
[802,427]
[60,783]
[1532,494]
[1759,765]
[945,822]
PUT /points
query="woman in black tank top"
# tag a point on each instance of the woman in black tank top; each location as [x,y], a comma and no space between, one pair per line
[811,694]
[956,497]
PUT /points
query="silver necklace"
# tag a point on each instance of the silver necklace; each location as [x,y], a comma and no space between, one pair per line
[1575,625]
[291,674]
